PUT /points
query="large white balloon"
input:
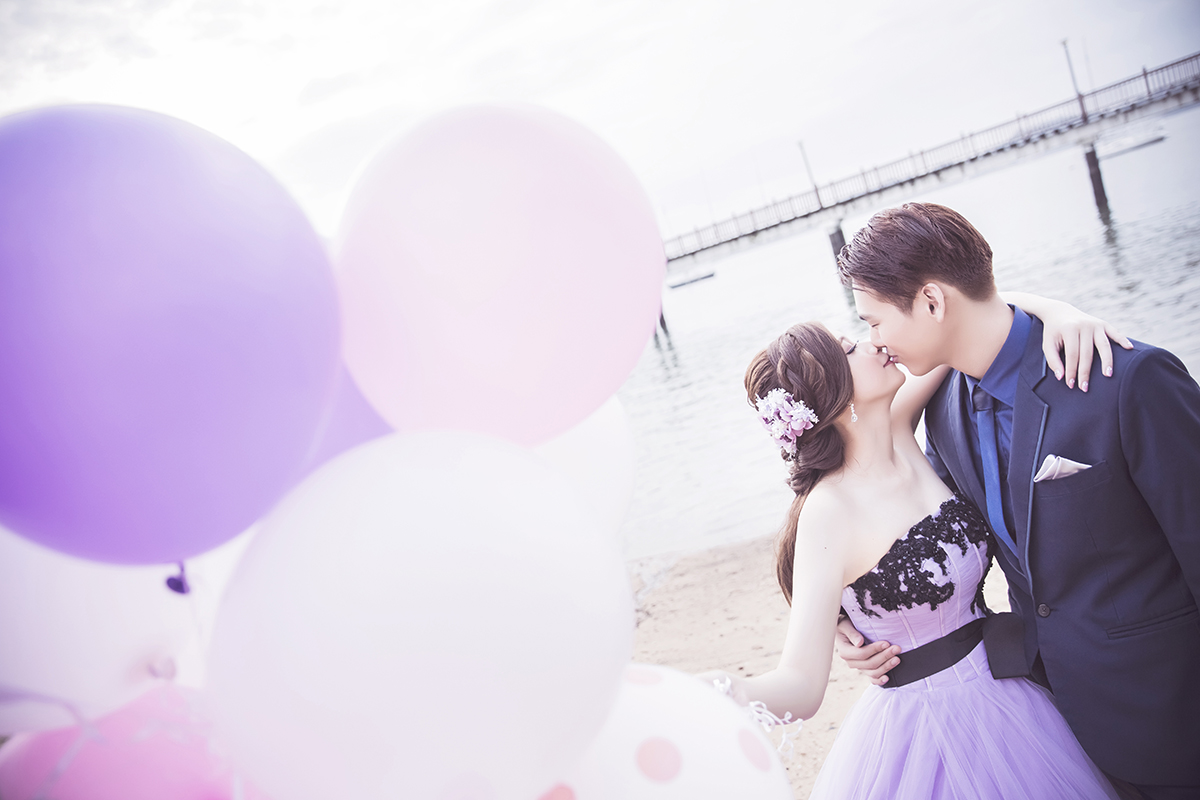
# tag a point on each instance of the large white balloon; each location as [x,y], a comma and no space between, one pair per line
[415,595]
[79,638]
[670,737]
[599,457]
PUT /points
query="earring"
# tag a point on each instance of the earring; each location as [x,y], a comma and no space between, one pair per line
[853,416]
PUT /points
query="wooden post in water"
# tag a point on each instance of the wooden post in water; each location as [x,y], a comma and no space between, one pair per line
[1097,183]
[837,239]
[661,326]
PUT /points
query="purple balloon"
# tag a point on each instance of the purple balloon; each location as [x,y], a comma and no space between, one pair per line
[169,335]
[349,421]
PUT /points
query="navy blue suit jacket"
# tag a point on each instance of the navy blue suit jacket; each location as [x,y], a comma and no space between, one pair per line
[1108,569]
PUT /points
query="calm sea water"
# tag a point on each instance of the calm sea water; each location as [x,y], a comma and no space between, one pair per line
[709,475]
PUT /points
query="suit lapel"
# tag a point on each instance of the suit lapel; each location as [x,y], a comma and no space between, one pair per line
[1029,427]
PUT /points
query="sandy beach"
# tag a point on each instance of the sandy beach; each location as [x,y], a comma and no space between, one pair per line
[722,609]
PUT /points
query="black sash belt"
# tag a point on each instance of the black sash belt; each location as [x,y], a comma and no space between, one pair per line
[1003,636]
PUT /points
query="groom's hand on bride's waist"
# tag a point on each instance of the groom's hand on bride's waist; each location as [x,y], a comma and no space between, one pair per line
[873,659]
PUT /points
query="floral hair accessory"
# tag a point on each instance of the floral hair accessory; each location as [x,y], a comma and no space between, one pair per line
[784,418]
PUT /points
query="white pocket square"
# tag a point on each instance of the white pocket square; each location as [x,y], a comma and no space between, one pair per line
[1055,467]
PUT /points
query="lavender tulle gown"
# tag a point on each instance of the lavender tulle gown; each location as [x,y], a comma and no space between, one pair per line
[959,733]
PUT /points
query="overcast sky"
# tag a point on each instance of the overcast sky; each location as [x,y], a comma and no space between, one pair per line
[705,99]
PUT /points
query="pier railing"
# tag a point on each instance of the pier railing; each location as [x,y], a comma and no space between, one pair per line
[1150,86]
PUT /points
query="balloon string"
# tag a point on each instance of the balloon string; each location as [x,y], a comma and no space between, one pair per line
[198,622]
[759,713]
[9,694]
[87,731]
[323,425]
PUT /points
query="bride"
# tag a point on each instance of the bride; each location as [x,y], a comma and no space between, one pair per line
[874,533]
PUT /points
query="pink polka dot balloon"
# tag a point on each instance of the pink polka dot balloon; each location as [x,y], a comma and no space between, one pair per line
[500,271]
[670,737]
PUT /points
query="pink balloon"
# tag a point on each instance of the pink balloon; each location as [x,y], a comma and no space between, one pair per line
[500,271]
[155,748]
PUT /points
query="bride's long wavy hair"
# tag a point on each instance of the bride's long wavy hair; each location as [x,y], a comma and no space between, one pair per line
[807,362]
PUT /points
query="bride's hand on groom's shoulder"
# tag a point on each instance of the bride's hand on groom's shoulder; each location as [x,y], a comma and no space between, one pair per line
[873,659]
[1071,340]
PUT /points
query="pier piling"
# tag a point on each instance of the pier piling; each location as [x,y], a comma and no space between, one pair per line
[837,240]
[1093,163]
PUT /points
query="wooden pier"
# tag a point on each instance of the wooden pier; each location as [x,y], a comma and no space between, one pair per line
[1075,122]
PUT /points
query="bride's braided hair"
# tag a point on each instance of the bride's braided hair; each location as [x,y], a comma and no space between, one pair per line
[808,362]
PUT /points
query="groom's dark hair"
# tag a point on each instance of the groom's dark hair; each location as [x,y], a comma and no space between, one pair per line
[901,249]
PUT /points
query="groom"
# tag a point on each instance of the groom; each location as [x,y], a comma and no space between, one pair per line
[1094,496]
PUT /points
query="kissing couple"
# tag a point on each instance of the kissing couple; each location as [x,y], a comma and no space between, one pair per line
[1088,496]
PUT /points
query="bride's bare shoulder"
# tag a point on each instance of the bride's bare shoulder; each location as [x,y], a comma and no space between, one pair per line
[829,512]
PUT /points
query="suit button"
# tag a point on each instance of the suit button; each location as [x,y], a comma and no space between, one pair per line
[1043,610]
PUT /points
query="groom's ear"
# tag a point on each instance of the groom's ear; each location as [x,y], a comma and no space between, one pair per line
[931,301]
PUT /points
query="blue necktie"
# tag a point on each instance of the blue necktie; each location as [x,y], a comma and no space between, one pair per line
[986,420]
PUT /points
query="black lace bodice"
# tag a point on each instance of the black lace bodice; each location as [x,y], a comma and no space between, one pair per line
[901,578]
